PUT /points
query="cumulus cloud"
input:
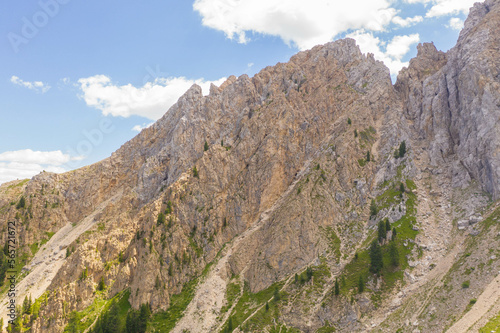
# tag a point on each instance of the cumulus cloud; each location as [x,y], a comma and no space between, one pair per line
[26,163]
[151,100]
[41,157]
[449,7]
[303,23]
[455,23]
[13,171]
[400,45]
[394,51]
[407,22]
[37,86]
[138,128]
[445,7]
[418,1]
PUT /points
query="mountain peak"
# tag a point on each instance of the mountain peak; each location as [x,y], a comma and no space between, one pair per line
[313,197]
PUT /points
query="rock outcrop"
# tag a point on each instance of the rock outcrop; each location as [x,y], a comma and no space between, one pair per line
[275,185]
[454,103]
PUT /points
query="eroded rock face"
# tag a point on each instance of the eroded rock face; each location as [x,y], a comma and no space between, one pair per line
[454,101]
[261,132]
[295,155]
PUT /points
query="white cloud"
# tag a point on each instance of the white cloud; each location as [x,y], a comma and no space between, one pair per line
[13,171]
[394,51]
[41,157]
[400,45]
[445,7]
[151,100]
[418,1]
[303,23]
[138,128]
[448,7]
[37,86]
[26,163]
[409,21]
[455,23]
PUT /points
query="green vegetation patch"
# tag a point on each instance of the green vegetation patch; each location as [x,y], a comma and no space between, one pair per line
[491,220]
[403,243]
[34,248]
[44,240]
[282,328]
[368,135]
[21,183]
[249,302]
[492,326]
[410,184]
[79,321]
[198,250]
[333,240]
[21,261]
[389,198]
[232,292]
[326,329]
[166,320]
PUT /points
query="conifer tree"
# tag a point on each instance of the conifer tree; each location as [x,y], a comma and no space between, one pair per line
[361,284]
[161,219]
[276,295]
[113,319]
[376,262]
[394,254]
[144,315]
[402,149]
[131,321]
[101,286]
[382,232]
[21,203]
[373,208]
[3,268]
[309,273]
[27,305]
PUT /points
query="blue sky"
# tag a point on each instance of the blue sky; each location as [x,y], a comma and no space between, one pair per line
[80,78]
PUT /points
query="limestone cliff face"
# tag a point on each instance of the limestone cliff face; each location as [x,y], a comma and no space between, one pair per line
[260,131]
[454,103]
[296,156]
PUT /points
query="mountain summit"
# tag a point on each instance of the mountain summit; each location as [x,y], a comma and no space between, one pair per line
[313,197]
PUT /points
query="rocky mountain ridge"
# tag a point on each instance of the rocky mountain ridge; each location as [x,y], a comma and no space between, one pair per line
[245,208]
